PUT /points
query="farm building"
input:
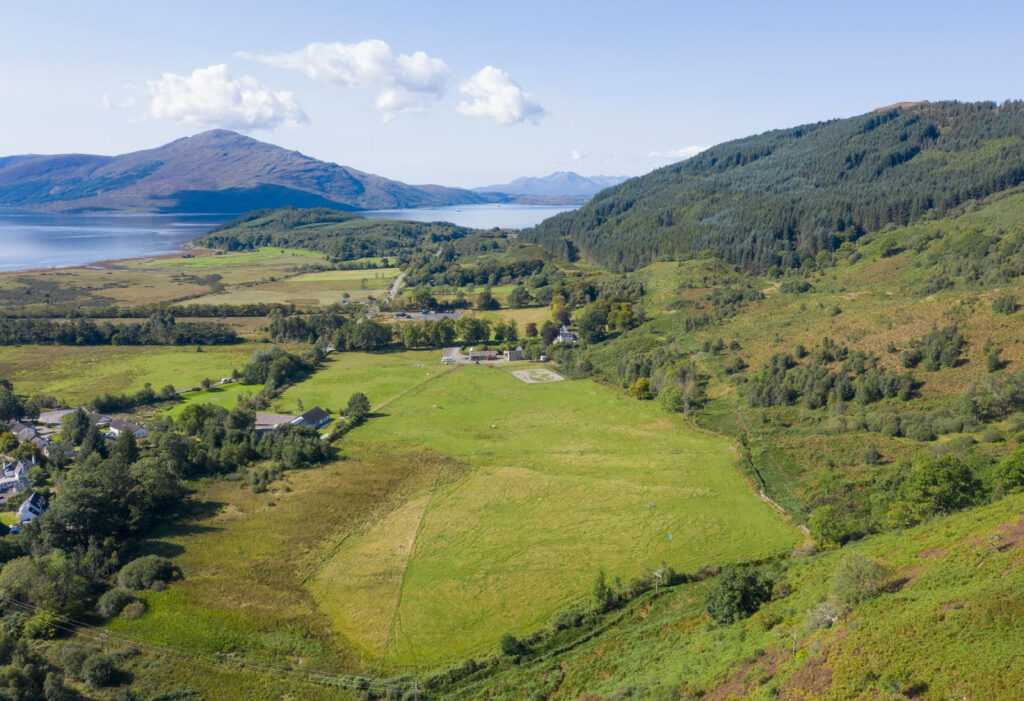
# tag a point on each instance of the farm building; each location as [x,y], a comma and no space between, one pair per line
[477,355]
[512,355]
[268,423]
[314,418]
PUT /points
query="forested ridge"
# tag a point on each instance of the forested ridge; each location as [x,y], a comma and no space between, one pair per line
[784,196]
[340,235]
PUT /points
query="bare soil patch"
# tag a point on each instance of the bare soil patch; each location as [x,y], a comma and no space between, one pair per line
[534,376]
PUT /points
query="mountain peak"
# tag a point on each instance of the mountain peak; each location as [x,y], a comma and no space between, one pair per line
[217,170]
[560,183]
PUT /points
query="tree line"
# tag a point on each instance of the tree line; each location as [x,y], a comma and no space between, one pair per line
[160,329]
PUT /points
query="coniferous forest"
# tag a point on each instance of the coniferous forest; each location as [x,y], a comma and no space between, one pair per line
[784,196]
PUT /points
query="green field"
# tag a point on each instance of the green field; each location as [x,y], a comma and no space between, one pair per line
[309,289]
[562,480]
[382,377]
[225,396]
[946,627]
[76,374]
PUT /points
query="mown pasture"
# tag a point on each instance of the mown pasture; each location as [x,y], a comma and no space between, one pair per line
[562,480]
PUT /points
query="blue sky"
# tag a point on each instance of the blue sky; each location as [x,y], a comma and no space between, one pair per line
[474,93]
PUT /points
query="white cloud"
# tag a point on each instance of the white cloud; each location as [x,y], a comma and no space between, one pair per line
[679,154]
[578,155]
[407,83]
[494,95]
[210,97]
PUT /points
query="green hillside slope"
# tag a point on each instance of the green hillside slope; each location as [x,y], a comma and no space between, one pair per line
[945,621]
[782,197]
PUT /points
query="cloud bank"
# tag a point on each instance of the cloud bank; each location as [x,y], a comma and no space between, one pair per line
[210,97]
[407,83]
[492,94]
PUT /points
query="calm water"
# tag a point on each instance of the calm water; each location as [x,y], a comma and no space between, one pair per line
[55,240]
[478,216]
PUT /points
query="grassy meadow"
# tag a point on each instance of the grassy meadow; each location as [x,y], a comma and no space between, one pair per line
[947,625]
[267,275]
[308,289]
[562,480]
[76,374]
[246,558]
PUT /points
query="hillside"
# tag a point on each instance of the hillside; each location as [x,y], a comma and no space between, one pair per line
[215,171]
[945,621]
[341,235]
[562,183]
[783,197]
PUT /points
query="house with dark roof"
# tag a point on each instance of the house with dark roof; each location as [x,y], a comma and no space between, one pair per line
[119,426]
[314,418]
[34,506]
[98,419]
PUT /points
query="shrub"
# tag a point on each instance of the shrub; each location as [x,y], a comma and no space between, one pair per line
[40,626]
[73,656]
[510,645]
[133,610]
[641,389]
[99,670]
[827,526]
[858,579]
[871,456]
[991,435]
[113,602]
[824,615]
[1011,471]
[673,399]
[1004,304]
[144,571]
[738,594]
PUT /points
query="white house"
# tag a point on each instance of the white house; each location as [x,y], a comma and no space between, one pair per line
[119,426]
[34,506]
[565,336]
[14,476]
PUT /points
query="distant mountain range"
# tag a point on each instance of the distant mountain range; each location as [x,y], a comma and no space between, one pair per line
[215,171]
[560,184]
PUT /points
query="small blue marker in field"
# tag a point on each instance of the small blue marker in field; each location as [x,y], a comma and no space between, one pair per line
[670,536]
